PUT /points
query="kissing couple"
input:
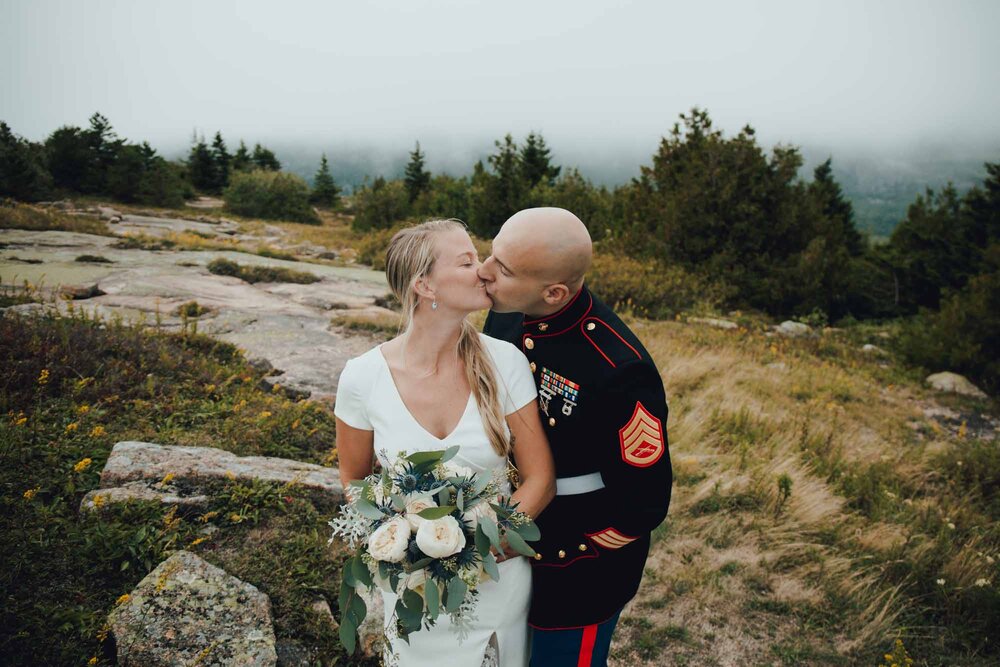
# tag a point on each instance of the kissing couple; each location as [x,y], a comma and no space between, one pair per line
[556,385]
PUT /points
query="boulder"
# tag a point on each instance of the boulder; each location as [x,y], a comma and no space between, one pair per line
[792,329]
[274,384]
[868,348]
[167,494]
[200,470]
[77,292]
[188,611]
[714,322]
[371,632]
[108,213]
[954,383]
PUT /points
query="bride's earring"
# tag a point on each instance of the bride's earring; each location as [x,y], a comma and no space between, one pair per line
[434,305]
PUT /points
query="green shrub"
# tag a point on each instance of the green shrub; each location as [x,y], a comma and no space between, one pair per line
[964,336]
[270,194]
[380,206]
[371,250]
[260,274]
[652,289]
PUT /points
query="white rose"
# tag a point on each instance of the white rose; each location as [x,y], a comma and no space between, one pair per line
[455,470]
[414,506]
[416,580]
[440,538]
[482,509]
[389,541]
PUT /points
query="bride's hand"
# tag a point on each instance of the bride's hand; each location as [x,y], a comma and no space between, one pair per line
[507,553]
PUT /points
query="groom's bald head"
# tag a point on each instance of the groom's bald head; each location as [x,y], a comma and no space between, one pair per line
[550,243]
[540,257]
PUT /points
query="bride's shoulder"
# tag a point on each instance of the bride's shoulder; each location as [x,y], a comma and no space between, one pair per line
[501,350]
[365,361]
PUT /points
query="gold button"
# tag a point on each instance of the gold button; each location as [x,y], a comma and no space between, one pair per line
[538,556]
[562,554]
[530,344]
[543,326]
[552,421]
[582,547]
[591,326]
[533,366]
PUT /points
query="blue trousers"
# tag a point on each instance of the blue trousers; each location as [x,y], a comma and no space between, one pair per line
[580,647]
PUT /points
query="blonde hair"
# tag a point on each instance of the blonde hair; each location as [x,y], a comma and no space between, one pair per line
[410,256]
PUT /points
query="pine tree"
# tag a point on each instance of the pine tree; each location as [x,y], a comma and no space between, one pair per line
[201,167]
[325,191]
[21,173]
[836,208]
[222,160]
[102,147]
[536,166]
[417,178]
[265,159]
[241,161]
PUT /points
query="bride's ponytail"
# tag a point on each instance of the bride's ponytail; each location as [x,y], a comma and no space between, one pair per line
[411,256]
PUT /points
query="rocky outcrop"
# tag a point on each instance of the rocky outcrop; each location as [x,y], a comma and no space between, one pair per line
[955,384]
[792,329]
[137,470]
[714,322]
[186,612]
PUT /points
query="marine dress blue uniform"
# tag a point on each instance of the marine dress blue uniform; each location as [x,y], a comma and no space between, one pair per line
[605,415]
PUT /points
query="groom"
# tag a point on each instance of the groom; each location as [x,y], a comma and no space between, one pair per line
[605,415]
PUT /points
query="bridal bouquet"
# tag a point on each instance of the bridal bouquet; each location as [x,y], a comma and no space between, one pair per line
[423,529]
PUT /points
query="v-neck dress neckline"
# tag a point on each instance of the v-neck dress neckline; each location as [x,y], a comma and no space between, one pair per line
[399,397]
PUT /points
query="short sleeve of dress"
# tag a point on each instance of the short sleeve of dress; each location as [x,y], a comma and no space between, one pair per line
[518,386]
[350,406]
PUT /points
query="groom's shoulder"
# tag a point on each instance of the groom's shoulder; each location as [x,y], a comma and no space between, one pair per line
[504,326]
[616,344]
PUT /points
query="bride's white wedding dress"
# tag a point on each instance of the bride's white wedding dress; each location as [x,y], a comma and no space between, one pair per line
[367,399]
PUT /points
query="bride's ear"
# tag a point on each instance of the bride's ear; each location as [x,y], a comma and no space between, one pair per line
[423,289]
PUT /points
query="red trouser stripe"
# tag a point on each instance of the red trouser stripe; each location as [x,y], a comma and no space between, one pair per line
[587,646]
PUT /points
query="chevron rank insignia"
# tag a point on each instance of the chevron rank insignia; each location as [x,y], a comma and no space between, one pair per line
[609,538]
[642,438]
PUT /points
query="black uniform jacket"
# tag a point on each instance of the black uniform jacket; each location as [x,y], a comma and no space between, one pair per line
[604,411]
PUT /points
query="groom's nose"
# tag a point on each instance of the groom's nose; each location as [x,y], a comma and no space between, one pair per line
[485,270]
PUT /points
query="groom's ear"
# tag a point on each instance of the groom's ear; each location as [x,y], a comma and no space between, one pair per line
[555,295]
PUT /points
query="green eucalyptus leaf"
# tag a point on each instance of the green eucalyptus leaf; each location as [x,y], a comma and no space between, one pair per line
[361,572]
[528,531]
[490,565]
[491,531]
[449,453]
[480,484]
[420,458]
[398,502]
[456,594]
[432,594]
[482,540]
[348,635]
[518,544]
[368,510]
[432,513]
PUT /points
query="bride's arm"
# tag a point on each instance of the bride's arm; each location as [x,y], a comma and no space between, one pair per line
[355,452]
[533,459]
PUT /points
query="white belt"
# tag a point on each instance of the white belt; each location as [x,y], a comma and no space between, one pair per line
[570,486]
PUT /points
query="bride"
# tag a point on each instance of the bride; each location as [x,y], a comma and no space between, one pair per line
[441,383]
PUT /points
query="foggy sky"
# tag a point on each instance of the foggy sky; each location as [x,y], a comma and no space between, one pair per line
[590,75]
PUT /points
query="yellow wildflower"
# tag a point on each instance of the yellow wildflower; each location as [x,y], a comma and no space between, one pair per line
[239,406]
[83,409]
[276,387]
[265,414]
[43,377]
[97,432]
[30,493]
[123,599]
[92,661]
[99,501]
[72,427]
[80,384]
[247,378]
[20,421]
[167,478]
[295,424]
[207,516]
[209,388]
[198,541]
[235,518]
[963,429]
[82,465]
[230,475]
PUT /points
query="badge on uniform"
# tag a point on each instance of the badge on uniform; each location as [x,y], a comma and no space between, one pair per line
[642,438]
[609,538]
[552,385]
